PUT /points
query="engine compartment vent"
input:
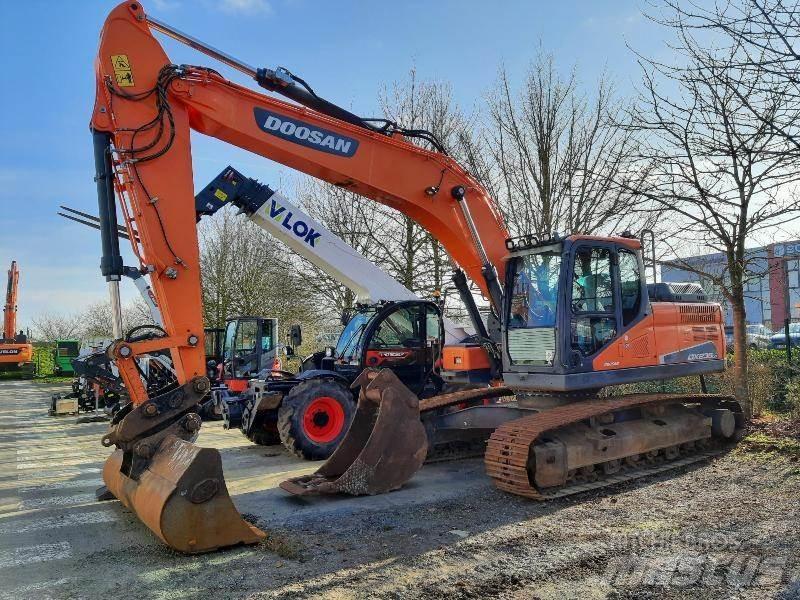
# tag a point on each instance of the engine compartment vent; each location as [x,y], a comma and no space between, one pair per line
[699,313]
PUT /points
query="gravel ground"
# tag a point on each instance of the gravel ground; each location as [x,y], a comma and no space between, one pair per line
[727,528]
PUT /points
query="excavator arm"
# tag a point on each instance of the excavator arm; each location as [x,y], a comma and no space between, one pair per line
[145,108]
[144,111]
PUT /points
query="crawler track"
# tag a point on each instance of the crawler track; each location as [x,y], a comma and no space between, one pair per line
[509,447]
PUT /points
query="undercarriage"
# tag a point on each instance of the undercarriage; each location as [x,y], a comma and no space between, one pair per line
[549,445]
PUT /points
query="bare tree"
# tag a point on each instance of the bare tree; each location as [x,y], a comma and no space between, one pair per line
[765,35]
[556,155]
[245,271]
[720,172]
[50,327]
[96,321]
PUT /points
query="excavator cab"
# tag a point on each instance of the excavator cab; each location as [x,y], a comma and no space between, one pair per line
[578,317]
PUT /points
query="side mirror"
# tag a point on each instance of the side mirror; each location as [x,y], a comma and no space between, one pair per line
[295,335]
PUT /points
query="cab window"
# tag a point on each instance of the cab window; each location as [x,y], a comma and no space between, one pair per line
[349,345]
[245,352]
[592,285]
[230,334]
[246,336]
[401,329]
[432,332]
[267,336]
[630,286]
[533,303]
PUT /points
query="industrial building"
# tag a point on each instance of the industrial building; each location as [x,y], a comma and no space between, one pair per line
[774,281]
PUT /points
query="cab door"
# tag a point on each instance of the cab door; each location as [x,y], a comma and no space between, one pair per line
[593,306]
[243,353]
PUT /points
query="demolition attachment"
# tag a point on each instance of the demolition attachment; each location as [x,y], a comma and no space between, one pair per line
[384,447]
[176,488]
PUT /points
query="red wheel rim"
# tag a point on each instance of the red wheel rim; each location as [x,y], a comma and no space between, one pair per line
[323,420]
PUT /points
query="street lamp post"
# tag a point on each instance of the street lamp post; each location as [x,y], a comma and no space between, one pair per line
[787,310]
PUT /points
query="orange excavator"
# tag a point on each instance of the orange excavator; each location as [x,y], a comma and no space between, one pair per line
[571,317]
[15,350]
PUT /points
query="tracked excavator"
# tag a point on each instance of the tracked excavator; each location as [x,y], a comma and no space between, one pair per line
[571,315]
[16,353]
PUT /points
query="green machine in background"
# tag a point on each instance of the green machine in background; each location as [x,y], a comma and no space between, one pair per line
[63,354]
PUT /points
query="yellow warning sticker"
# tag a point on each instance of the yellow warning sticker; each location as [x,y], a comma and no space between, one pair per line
[221,195]
[122,70]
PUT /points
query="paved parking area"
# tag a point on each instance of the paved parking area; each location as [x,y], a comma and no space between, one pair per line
[722,529]
[57,541]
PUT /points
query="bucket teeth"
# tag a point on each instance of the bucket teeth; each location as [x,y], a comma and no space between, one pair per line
[385,445]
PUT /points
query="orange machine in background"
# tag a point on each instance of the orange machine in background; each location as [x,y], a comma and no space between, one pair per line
[15,352]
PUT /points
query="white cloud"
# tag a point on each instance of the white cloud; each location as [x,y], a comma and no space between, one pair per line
[245,7]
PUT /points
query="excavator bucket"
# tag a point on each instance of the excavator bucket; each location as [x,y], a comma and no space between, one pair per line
[182,497]
[176,488]
[385,445]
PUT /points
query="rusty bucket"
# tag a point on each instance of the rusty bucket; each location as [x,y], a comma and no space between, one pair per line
[182,497]
[385,445]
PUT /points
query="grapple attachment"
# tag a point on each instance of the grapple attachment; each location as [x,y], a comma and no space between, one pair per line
[176,488]
[385,445]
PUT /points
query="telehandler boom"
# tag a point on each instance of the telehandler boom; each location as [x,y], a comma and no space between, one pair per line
[570,315]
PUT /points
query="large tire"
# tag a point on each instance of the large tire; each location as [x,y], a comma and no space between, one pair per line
[264,437]
[314,417]
[264,431]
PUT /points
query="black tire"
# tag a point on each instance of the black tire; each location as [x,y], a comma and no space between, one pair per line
[292,413]
[208,411]
[264,437]
[264,430]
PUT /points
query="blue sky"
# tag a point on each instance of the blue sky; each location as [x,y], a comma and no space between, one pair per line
[345,50]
